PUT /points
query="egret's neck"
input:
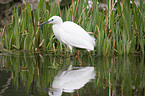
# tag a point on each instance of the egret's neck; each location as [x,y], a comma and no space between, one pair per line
[57,31]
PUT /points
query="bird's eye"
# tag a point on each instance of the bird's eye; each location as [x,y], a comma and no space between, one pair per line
[52,19]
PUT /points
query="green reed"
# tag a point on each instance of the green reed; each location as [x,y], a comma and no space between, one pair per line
[118,30]
[117,73]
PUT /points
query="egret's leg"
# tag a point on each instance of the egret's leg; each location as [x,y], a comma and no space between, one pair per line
[64,48]
[61,46]
[70,47]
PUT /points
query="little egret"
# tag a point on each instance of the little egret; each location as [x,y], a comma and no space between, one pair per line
[71,34]
[71,80]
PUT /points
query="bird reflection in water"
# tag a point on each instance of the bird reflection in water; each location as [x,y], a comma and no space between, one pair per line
[71,80]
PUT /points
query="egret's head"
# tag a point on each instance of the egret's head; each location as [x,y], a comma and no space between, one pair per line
[53,20]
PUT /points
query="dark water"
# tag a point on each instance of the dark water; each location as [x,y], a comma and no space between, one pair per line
[87,75]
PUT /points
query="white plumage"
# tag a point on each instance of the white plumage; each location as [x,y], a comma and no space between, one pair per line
[71,34]
[71,79]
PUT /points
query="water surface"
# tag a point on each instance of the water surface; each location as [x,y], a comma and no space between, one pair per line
[86,75]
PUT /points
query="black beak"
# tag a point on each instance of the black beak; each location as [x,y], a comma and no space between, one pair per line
[44,23]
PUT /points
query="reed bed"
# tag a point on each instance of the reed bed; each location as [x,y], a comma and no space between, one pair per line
[118,29]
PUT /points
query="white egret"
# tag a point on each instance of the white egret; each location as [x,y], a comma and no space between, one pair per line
[71,80]
[71,34]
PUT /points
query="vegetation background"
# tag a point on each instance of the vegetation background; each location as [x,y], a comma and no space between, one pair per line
[118,27]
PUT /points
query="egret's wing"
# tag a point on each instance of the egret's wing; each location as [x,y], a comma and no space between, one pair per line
[76,30]
[74,35]
[75,41]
